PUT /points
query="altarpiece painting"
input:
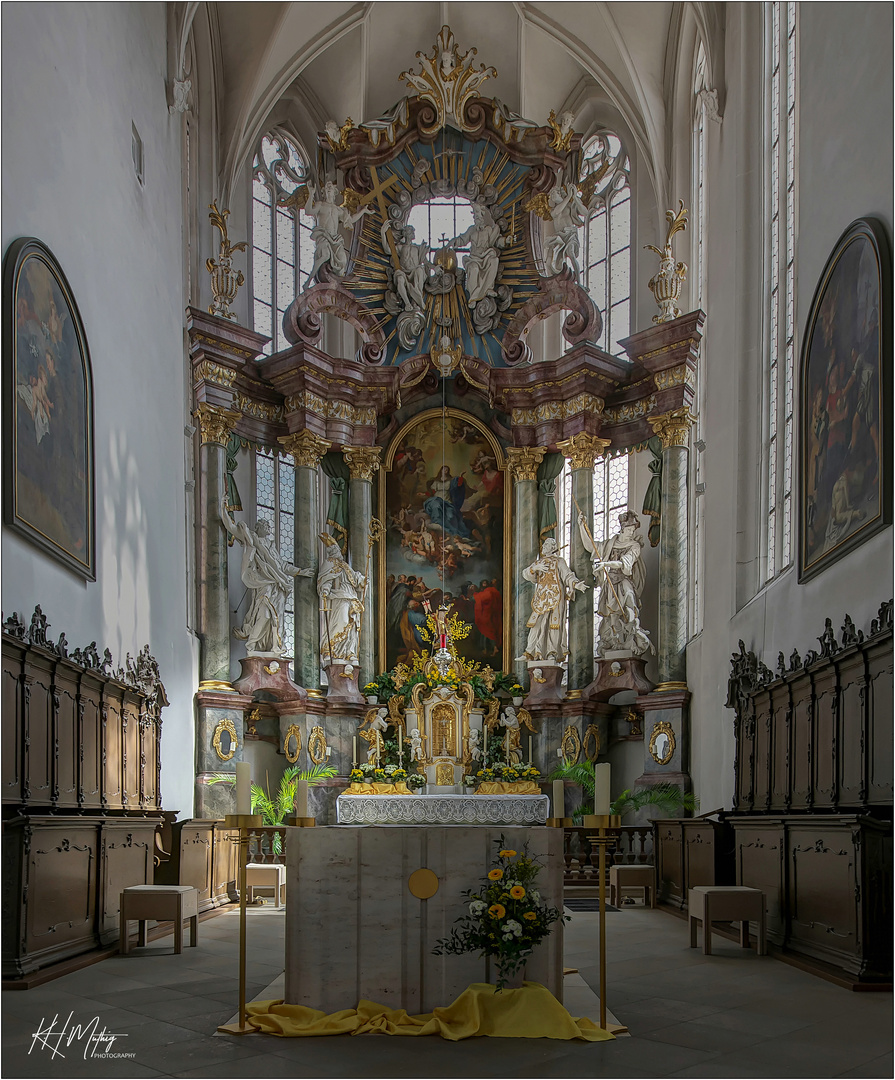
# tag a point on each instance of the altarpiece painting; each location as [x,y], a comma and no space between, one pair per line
[444,494]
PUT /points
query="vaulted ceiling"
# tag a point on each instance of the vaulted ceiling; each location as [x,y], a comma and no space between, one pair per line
[304,63]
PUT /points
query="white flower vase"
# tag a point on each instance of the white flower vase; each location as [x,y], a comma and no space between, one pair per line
[518,701]
[372,699]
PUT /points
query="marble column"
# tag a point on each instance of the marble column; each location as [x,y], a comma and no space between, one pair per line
[306,449]
[363,462]
[673,428]
[523,463]
[582,450]
[215,427]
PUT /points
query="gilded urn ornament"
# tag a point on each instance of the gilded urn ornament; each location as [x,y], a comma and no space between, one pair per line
[225,282]
[667,284]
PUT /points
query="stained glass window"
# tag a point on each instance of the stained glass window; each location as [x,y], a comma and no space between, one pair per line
[282,249]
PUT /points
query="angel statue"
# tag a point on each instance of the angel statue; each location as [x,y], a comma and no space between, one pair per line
[329,220]
[268,577]
[376,745]
[569,214]
[416,745]
[473,747]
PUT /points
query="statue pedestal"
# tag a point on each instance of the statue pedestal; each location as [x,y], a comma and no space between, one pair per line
[618,673]
[343,683]
[270,673]
[546,683]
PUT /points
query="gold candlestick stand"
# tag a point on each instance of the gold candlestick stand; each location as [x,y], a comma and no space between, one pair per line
[242,824]
[601,823]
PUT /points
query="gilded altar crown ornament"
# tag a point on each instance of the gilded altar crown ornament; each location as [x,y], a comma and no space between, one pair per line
[448,81]
[445,355]
[667,284]
[225,282]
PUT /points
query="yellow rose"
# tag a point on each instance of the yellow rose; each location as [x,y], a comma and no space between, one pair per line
[497,911]
[517,892]
[496,874]
[507,853]
[530,915]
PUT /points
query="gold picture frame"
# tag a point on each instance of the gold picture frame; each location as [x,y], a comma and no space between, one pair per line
[385,473]
[225,724]
[662,733]
[294,732]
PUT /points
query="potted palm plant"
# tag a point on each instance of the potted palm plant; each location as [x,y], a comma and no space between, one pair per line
[667,798]
[274,809]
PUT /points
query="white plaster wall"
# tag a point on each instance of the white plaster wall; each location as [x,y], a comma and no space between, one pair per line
[75,77]
[844,172]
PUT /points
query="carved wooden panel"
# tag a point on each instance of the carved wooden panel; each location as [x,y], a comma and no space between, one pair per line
[669,847]
[762,751]
[852,789]
[66,739]
[780,751]
[128,845]
[11,729]
[881,706]
[802,742]
[39,735]
[130,752]
[760,864]
[91,745]
[825,744]
[110,714]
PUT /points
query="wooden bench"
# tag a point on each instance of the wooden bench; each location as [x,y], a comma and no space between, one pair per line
[159,902]
[726,903]
[623,879]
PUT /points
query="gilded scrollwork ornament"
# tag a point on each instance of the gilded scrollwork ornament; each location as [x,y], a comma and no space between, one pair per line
[292,735]
[225,282]
[667,284]
[225,725]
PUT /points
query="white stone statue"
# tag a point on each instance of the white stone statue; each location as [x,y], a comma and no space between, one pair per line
[619,570]
[483,262]
[269,577]
[416,745]
[569,214]
[473,746]
[329,220]
[555,585]
[411,278]
[341,589]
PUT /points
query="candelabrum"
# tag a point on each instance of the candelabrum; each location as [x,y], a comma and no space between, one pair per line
[225,282]
[242,825]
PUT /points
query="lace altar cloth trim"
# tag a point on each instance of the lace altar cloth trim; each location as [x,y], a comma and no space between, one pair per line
[442,809]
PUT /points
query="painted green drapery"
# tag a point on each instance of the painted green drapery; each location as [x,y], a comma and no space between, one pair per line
[235,444]
[548,471]
[334,467]
[652,501]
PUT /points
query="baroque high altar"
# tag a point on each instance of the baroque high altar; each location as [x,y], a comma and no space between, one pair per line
[441,438]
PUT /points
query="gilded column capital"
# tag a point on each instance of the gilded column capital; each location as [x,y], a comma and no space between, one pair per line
[582,449]
[216,424]
[305,447]
[673,428]
[523,461]
[362,461]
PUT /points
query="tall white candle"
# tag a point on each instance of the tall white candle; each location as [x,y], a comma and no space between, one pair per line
[243,787]
[559,799]
[601,788]
[301,799]
[354,752]
[400,732]
[484,741]
[530,759]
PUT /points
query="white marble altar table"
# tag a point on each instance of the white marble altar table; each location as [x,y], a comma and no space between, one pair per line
[442,809]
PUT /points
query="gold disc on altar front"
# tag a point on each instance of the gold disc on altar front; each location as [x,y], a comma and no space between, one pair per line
[423,883]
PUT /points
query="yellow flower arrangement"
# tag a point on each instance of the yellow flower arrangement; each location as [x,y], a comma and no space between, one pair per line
[497,911]
[507,853]
[517,892]
[530,915]
[496,874]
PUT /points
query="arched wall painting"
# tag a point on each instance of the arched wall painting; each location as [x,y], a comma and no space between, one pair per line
[48,410]
[845,400]
[443,494]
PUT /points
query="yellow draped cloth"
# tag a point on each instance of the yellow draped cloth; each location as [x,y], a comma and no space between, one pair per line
[521,787]
[379,789]
[530,1012]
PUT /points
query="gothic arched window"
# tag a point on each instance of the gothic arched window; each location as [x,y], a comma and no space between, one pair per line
[282,249]
[605,180]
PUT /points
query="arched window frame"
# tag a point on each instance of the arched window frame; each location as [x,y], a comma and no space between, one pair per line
[282,249]
[780,26]
[275,504]
[605,238]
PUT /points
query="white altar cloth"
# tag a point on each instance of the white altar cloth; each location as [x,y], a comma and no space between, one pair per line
[442,809]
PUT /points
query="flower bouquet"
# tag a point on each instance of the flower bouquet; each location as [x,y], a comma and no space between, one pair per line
[506,917]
